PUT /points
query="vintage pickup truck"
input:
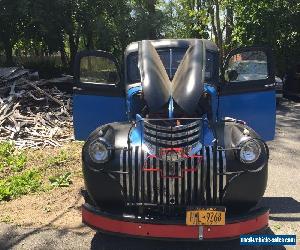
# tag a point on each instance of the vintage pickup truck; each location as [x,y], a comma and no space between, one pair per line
[174,149]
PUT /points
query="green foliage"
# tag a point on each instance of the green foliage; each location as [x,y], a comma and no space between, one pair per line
[6,149]
[47,66]
[58,160]
[27,182]
[10,159]
[40,28]
[63,180]
[186,19]
[273,23]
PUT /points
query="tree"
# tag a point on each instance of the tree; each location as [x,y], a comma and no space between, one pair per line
[13,18]
[273,23]
[148,19]
[186,19]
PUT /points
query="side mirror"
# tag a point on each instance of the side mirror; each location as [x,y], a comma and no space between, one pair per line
[231,75]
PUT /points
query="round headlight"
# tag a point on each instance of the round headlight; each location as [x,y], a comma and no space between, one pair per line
[250,151]
[98,152]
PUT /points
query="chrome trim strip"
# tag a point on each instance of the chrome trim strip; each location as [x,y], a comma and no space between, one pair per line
[224,168]
[171,183]
[121,168]
[128,175]
[164,184]
[171,135]
[185,183]
[218,177]
[133,172]
[158,181]
[200,233]
[204,173]
[140,171]
[192,174]
[179,183]
[199,175]
[211,174]
[145,179]
[151,184]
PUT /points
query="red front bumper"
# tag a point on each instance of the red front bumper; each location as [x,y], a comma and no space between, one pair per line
[104,222]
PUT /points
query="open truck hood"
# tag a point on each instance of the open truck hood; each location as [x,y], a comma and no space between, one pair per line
[155,80]
[187,85]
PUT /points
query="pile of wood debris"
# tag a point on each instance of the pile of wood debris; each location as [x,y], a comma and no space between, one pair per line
[33,113]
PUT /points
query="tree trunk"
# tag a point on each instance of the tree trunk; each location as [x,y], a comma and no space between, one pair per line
[8,53]
[229,28]
[63,54]
[73,44]
[219,30]
[152,28]
[63,57]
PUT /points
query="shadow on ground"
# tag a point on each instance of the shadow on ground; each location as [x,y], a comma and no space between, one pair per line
[106,242]
[13,236]
[279,206]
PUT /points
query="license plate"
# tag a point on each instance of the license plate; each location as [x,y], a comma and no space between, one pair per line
[208,216]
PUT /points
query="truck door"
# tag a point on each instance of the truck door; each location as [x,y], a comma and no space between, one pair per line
[248,89]
[98,95]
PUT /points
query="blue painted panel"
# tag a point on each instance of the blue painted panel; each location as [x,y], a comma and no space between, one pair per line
[213,93]
[132,106]
[208,136]
[258,109]
[89,112]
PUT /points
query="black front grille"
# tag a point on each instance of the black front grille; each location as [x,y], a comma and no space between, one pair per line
[195,180]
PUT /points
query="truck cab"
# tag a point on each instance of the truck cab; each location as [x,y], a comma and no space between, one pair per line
[173,140]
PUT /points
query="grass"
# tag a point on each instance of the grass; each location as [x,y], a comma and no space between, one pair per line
[29,171]
[27,182]
[58,160]
[10,159]
[62,180]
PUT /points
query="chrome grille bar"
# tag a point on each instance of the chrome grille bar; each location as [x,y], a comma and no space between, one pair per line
[204,173]
[199,172]
[172,134]
[164,183]
[172,128]
[211,173]
[133,172]
[169,142]
[192,179]
[128,175]
[151,181]
[140,165]
[158,182]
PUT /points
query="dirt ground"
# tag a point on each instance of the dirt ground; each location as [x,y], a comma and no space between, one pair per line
[52,220]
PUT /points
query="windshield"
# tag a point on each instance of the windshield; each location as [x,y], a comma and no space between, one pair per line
[171,58]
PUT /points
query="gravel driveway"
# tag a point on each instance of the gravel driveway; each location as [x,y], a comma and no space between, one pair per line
[282,196]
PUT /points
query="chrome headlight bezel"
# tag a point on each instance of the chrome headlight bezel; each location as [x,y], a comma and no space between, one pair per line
[96,145]
[251,147]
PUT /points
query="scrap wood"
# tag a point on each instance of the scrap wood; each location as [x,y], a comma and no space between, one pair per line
[35,114]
